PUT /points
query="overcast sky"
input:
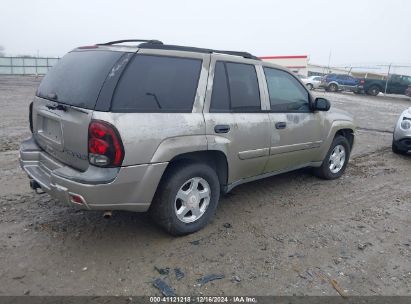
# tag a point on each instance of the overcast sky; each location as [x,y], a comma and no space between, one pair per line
[356,31]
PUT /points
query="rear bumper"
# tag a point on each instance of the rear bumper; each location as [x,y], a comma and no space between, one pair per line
[127,188]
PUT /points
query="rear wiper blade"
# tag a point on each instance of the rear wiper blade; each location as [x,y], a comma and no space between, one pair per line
[155,98]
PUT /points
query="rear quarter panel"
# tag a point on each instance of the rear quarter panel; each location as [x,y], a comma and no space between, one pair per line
[157,137]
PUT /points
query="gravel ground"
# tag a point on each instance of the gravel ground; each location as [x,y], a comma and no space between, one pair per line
[291,234]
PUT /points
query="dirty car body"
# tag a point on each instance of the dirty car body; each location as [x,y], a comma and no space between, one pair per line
[401,142]
[114,126]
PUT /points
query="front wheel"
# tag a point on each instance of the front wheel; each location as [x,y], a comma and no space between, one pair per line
[310,86]
[336,159]
[186,199]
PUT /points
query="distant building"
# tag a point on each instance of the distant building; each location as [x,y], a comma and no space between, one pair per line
[296,63]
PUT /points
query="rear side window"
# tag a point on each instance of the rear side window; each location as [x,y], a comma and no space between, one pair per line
[157,84]
[235,88]
[77,78]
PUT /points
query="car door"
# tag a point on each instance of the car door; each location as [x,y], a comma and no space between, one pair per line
[342,81]
[351,81]
[404,82]
[236,122]
[296,131]
[394,84]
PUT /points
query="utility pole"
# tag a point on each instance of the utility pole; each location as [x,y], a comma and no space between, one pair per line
[329,60]
[388,76]
[37,63]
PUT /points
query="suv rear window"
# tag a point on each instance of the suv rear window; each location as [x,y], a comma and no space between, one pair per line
[153,83]
[77,78]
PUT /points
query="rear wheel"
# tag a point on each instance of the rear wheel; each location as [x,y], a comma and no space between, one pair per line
[310,86]
[186,199]
[374,91]
[333,87]
[336,159]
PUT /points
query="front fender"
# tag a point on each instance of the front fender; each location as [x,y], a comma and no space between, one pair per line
[333,129]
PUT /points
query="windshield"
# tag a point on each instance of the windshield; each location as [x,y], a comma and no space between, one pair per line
[78,77]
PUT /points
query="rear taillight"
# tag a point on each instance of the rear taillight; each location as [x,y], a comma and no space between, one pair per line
[105,148]
[362,81]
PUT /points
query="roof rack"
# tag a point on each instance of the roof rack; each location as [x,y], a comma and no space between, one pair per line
[149,45]
[157,44]
[242,54]
[151,41]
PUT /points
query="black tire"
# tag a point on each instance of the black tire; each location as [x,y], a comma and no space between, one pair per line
[162,209]
[374,90]
[396,150]
[324,171]
[333,87]
[310,86]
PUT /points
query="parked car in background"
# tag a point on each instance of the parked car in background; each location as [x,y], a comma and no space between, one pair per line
[401,142]
[312,82]
[396,84]
[408,91]
[339,82]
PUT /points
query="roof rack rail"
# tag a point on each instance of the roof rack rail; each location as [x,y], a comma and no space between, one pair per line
[150,41]
[195,49]
[235,53]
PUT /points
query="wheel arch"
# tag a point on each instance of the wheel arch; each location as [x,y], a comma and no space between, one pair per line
[339,127]
[348,133]
[217,160]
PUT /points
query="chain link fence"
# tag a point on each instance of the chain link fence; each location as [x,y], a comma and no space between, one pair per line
[26,65]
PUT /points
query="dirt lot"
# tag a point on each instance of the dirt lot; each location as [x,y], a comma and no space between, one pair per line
[290,234]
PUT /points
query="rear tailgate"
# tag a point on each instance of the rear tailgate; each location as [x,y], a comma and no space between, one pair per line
[65,101]
[62,133]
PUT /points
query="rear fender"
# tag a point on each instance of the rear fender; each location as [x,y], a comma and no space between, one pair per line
[172,147]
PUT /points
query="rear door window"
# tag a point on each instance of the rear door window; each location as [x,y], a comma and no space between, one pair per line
[78,77]
[235,88]
[154,83]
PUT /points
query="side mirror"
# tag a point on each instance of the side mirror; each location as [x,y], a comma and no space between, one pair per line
[321,104]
